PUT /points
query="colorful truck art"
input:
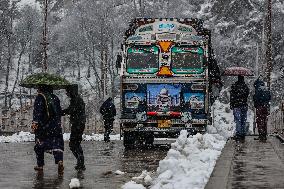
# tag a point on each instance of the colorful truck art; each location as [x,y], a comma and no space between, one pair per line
[168,73]
[163,97]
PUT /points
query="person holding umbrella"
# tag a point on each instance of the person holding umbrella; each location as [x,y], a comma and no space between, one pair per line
[238,99]
[238,103]
[47,117]
[47,128]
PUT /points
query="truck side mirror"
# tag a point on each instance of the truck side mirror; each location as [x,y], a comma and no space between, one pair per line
[118,61]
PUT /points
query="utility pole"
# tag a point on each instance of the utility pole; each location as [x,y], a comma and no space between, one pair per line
[44,38]
[268,54]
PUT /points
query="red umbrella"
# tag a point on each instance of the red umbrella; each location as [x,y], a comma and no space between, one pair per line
[235,71]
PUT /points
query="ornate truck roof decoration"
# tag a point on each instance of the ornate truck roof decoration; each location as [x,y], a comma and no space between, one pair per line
[144,31]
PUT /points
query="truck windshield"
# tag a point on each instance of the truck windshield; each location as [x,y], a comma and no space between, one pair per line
[142,57]
[187,57]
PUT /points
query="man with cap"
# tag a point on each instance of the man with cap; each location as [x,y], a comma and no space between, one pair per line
[108,112]
[76,110]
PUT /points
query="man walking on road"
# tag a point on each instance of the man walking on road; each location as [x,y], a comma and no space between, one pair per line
[76,110]
[261,100]
[108,112]
[238,103]
[47,128]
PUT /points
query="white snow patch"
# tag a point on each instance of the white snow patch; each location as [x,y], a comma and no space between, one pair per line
[132,185]
[188,164]
[28,137]
[118,172]
[141,178]
[191,160]
[75,183]
[223,120]
[20,137]
[30,3]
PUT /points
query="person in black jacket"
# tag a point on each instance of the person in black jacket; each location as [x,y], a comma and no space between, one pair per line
[47,128]
[108,112]
[76,110]
[238,102]
[261,100]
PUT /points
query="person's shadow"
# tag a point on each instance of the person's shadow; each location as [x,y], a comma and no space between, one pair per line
[40,182]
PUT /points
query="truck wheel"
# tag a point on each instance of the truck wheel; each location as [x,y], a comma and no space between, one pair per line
[128,139]
[140,139]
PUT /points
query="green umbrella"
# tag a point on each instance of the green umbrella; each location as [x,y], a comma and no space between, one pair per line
[35,80]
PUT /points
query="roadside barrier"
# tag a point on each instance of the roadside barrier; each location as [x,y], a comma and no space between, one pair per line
[276,122]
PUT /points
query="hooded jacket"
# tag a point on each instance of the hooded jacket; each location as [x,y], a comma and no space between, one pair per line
[239,94]
[76,110]
[262,95]
[108,109]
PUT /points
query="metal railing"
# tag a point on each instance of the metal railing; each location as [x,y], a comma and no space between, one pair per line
[276,122]
[13,121]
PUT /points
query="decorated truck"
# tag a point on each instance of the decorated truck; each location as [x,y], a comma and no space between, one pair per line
[169,79]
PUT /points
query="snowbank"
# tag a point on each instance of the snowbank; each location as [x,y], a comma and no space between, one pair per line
[21,137]
[28,137]
[191,160]
[188,163]
[224,120]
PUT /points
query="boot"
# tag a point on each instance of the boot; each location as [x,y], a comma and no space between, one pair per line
[79,167]
[243,139]
[60,168]
[106,137]
[262,138]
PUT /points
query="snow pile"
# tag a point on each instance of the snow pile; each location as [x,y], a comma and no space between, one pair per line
[100,137]
[188,164]
[28,137]
[145,178]
[223,120]
[133,185]
[21,137]
[191,160]
[118,172]
[75,183]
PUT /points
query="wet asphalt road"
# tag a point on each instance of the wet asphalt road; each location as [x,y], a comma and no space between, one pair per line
[249,165]
[257,165]
[102,160]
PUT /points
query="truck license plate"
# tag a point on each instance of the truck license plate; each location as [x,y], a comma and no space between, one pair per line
[164,123]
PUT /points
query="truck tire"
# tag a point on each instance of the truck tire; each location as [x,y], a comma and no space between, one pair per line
[128,139]
[149,139]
